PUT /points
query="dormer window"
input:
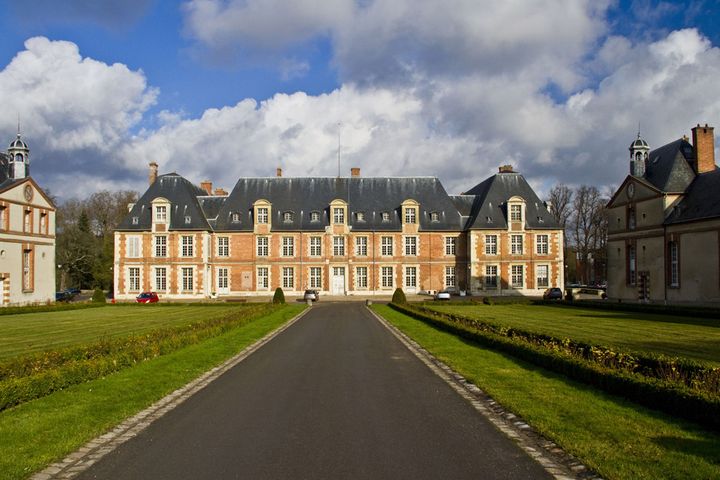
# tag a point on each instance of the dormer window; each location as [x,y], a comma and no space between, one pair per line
[434,217]
[161,213]
[188,220]
[516,213]
[288,217]
[262,215]
[385,216]
[410,216]
[314,216]
[338,215]
[135,220]
[488,219]
[360,216]
[235,218]
[410,211]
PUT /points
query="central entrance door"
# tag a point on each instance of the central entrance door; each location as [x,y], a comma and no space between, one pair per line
[337,286]
[222,281]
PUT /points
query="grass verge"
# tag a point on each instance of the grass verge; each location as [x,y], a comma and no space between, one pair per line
[615,437]
[42,431]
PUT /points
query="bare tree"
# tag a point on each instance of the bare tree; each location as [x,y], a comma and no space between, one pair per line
[560,199]
[589,229]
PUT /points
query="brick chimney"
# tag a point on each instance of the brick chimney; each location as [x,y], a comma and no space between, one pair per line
[153,172]
[704,148]
[219,192]
[355,172]
[278,172]
[207,186]
[506,169]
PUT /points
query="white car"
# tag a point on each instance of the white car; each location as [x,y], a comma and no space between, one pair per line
[442,295]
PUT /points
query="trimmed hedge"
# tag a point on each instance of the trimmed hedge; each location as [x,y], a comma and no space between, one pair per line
[677,310]
[666,394]
[57,307]
[33,376]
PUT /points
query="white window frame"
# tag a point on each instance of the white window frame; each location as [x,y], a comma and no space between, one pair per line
[262,215]
[160,279]
[410,277]
[386,245]
[187,246]
[387,277]
[315,245]
[134,279]
[539,283]
[361,244]
[315,275]
[517,271]
[450,246]
[288,278]
[491,244]
[187,279]
[160,213]
[288,247]
[223,246]
[410,215]
[361,277]
[338,246]
[491,272]
[516,212]
[339,215]
[262,278]
[133,246]
[411,246]
[160,249]
[542,244]
[223,281]
[516,244]
[262,246]
[450,277]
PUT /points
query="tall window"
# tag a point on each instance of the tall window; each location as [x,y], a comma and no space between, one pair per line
[338,246]
[187,245]
[542,244]
[631,264]
[222,279]
[288,246]
[134,278]
[450,245]
[361,278]
[223,247]
[187,279]
[43,223]
[411,277]
[315,277]
[386,246]
[160,279]
[411,246]
[338,215]
[516,244]
[133,246]
[449,277]
[262,215]
[543,277]
[27,272]
[490,244]
[631,219]
[516,213]
[161,213]
[491,276]
[27,225]
[386,276]
[288,277]
[3,217]
[315,246]
[516,276]
[361,246]
[262,246]
[410,215]
[161,246]
[263,280]
[674,264]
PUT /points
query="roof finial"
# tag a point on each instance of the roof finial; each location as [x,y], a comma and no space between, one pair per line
[18,134]
[638,128]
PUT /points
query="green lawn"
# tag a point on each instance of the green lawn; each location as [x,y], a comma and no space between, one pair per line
[39,432]
[693,338]
[33,332]
[615,437]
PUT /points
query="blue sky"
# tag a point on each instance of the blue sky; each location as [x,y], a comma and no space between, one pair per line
[216,89]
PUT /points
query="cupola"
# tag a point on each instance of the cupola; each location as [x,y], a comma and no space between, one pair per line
[19,154]
[639,151]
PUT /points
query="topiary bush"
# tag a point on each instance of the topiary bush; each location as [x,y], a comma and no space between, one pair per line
[279,296]
[399,297]
[98,296]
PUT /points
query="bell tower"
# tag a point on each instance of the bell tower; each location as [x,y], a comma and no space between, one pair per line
[639,151]
[19,153]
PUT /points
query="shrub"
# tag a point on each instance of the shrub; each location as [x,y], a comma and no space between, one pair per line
[98,296]
[279,296]
[399,297]
[487,301]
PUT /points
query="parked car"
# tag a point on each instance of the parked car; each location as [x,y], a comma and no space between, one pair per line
[442,295]
[73,291]
[313,295]
[62,296]
[553,294]
[147,297]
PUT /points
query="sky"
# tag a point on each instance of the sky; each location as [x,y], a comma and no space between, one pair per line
[219,89]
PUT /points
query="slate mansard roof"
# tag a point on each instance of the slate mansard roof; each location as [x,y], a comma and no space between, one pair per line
[295,201]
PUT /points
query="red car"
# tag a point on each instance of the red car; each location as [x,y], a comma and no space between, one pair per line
[147,297]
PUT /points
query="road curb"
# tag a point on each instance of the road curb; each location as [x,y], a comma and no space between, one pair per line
[90,453]
[558,463]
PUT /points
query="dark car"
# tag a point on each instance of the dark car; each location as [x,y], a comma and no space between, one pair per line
[62,296]
[73,291]
[553,294]
[313,295]
[147,297]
